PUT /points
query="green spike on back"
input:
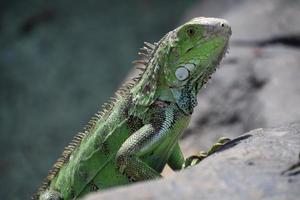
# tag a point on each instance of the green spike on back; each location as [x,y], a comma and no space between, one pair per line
[136,134]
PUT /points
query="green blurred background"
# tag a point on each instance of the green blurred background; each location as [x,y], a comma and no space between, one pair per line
[59,61]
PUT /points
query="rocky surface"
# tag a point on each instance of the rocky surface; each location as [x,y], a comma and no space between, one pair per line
[261,164]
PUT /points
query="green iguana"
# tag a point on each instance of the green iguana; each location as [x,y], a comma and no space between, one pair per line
[137,133]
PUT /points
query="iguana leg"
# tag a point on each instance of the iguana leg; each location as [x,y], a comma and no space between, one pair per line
[194,159]
[142,141]
[176,159]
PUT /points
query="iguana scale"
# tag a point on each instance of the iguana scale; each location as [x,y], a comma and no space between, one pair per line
[137,133]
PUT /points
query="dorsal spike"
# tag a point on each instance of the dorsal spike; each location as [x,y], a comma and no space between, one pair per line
[147,50]
[117,93]
[143,54]
[105,105]
[136,79]
[141,68]
[152,46]
[142,62]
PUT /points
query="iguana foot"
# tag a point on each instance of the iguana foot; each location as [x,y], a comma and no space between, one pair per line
[195,159]
[216,146]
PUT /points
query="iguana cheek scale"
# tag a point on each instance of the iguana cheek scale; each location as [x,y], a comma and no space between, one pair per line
[137,133]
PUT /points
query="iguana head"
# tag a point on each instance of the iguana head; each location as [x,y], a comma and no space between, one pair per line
[182,62]
[196,48]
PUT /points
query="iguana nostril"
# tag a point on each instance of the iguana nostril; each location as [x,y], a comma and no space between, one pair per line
[225,27]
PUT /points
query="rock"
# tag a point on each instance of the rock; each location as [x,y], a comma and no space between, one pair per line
[255,19]
[255,165]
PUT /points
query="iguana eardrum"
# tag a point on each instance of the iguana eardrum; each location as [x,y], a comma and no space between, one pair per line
[137,133]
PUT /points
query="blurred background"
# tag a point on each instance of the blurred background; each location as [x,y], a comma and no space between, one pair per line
[61,60]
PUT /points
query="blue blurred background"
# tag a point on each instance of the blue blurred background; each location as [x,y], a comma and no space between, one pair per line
[59,61]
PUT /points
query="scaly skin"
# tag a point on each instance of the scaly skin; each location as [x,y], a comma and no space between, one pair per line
[137,134]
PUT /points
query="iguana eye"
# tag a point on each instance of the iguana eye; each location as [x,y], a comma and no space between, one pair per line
[190,32]
[182,73]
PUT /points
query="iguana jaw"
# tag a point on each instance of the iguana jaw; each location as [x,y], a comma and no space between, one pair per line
[204,77]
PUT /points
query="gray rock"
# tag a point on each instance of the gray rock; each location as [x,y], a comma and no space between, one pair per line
[255,19]
[256,165]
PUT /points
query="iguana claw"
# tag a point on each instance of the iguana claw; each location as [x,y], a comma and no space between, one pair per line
[221,142]
[195,159]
